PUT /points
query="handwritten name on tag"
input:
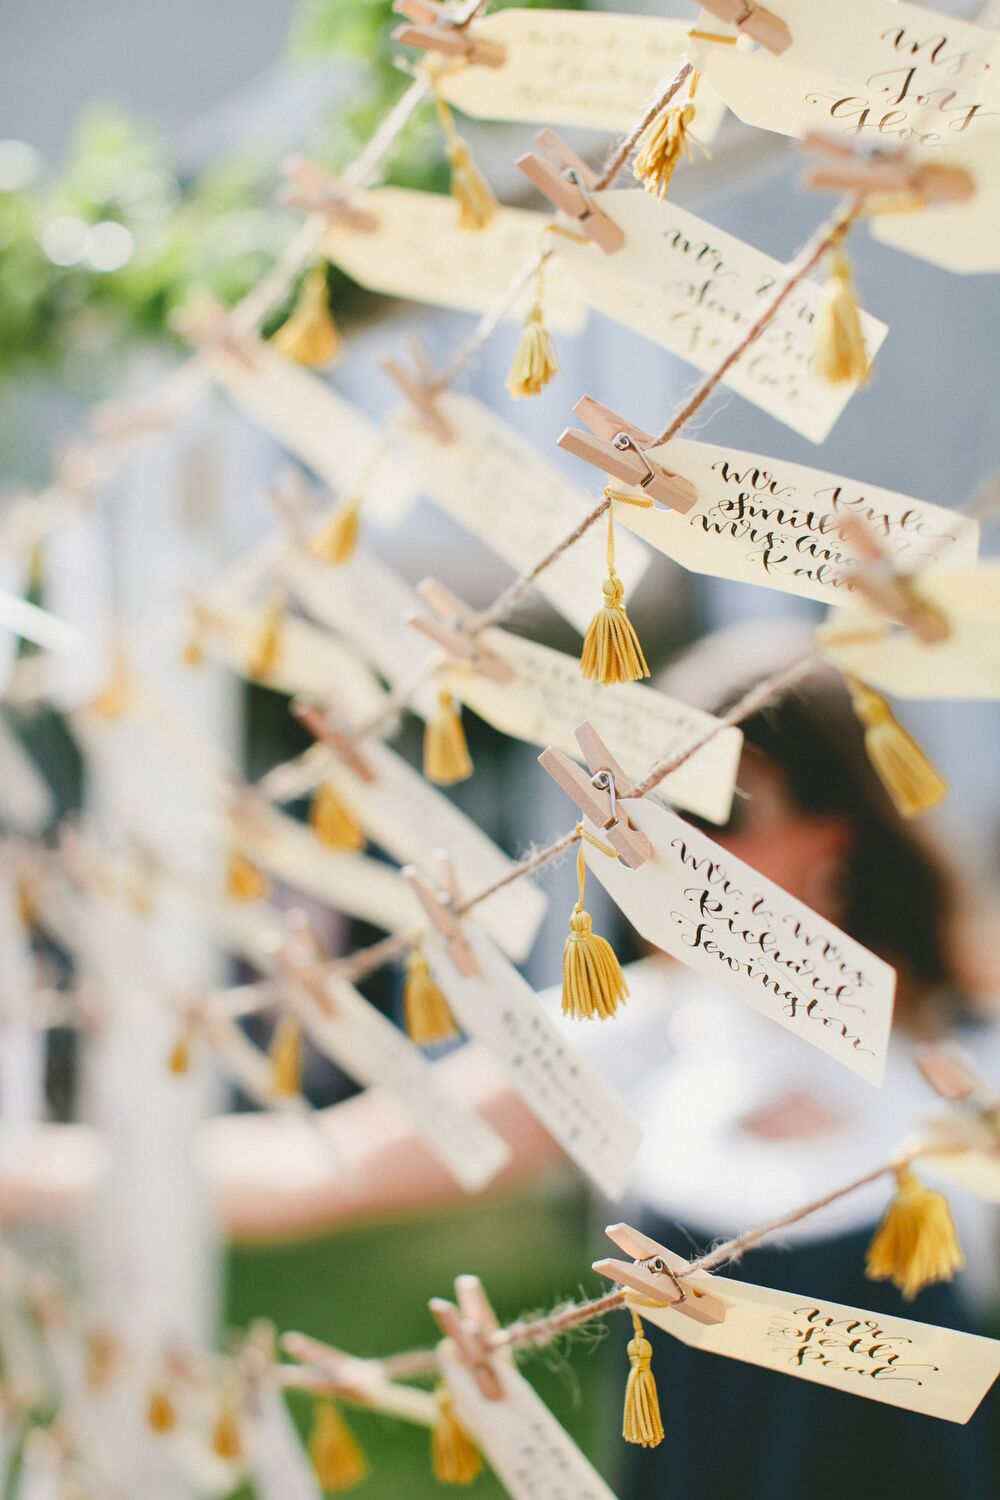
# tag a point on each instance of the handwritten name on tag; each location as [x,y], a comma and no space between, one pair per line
[278,1464]
[901,1363]
[317,426]
[548,698]
[695,290]
[419,252]
[495,483]
[587,69]
[765,521]
[532,1455]
[569,1097]
[965,665]
[724,920]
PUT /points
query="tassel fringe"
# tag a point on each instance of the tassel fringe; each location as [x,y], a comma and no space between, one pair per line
[226,1442]
[336,542]
[912,781]
[160,1414]
[642,1423]
[266,652]
[840,345]
[244,882]
[535,362]
[285,1053]
[426,1012]
[336,1456]
[333,822]
[473,194]
[454,1457]
[915,1245]
[662,144]
[611,649]
[309,335]
[446,752]
[593,983]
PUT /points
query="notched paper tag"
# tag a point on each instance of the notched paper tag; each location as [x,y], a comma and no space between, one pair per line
[724,920]
[278,1463]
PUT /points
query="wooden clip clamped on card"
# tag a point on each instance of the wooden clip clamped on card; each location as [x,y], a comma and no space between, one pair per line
[599,795]
[440,902]
[207,328]
[421,391]
[331,732]
[452,625]
[618,447]
[891,593]
[566,180]
[470,1326]
[846,167]
[760,25]
[654,1272]
[310,188]
[436,28]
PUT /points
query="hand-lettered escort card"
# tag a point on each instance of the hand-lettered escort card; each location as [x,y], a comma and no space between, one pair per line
[590,69]
[548,698]
[418,251]
[318,426]
[494,482]
[901,1363]
[762,520]
[964,665]
[572,1101]
[724,920]
[695,290]
[531,1454]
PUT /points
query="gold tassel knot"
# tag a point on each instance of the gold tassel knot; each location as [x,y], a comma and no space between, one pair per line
[535,362]
[446,751]
[454,1457]
[665,140]
[912,781]
[426,1013]
[309,334]
[285,1053]
[333,822]
[611,649]
[915,1245]
[840,346]
[592,980]
[336,1456]
[642,1423]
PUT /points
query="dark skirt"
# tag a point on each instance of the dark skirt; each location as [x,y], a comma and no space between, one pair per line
[735,1430]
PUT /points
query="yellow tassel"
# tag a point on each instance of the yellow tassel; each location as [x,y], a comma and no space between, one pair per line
[840,346]
[336,542]
[286,1058]
[473,194]
[912,781]
[160,1414]
[226,1442]
[333,822]
[611,650]
[426,1013]
[27,906]
[113,699]
[179,1059]
[267,648]
[446,753]
[593,982]
[244,882]
[337,1459]
[641,1423]
[535,362]
[915,1245]
[193,653]
[662,144]
[309,335]
[454,1457]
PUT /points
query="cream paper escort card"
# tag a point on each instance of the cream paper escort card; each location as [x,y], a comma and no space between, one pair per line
[500,1009]
[694,289]
[724,920]
[277,1462]
[962,237]
[548,698]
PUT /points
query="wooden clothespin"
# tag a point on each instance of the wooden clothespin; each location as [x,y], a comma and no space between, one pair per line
[438,29]
[754,21]
[206,326]
[845,166]
[568,182]
[440,901]
[422,392]
[310,188]
[452,625]
[890,592]
[952,1076]
[470,1326]
[599,796]
[293,950]
[618,447]
[330,731]
[654,1272]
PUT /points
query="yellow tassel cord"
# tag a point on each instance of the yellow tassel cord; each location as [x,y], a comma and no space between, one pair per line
[285,1053]
[454,1457]
[179,1058]
[641,1423]
[535,362]
[840,346]
[113,699]
[244,882]
[267,648]
[333,822]
[446,753]
[664,141]
[336,542]
[593,982]
[309,335]
[337,1458]
[193,653]
[912,781]
[426,1013]
[611,650]
[226,1442]
[471,191]
[915,1245]
[160,1414]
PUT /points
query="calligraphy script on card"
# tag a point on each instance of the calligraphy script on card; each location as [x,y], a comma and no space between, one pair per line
[695,290]
[316,425]
[279,1465]
[966,664]
[496,484]
[418,251]
[724,920]
[765,521]
[572,1101]
[893,1360]
[548,698]
[531,1454]
[564,68]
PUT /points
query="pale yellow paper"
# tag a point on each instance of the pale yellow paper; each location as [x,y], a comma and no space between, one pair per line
[977,1171]
[753,939]
[965,665]
[570,1098]
[275,1455]
[961,237]
[548,698]
[893,1360]
[695,290]
[778,524]
[590,69]
[533,1457]
[419,252]
[319,427]
[496,483]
